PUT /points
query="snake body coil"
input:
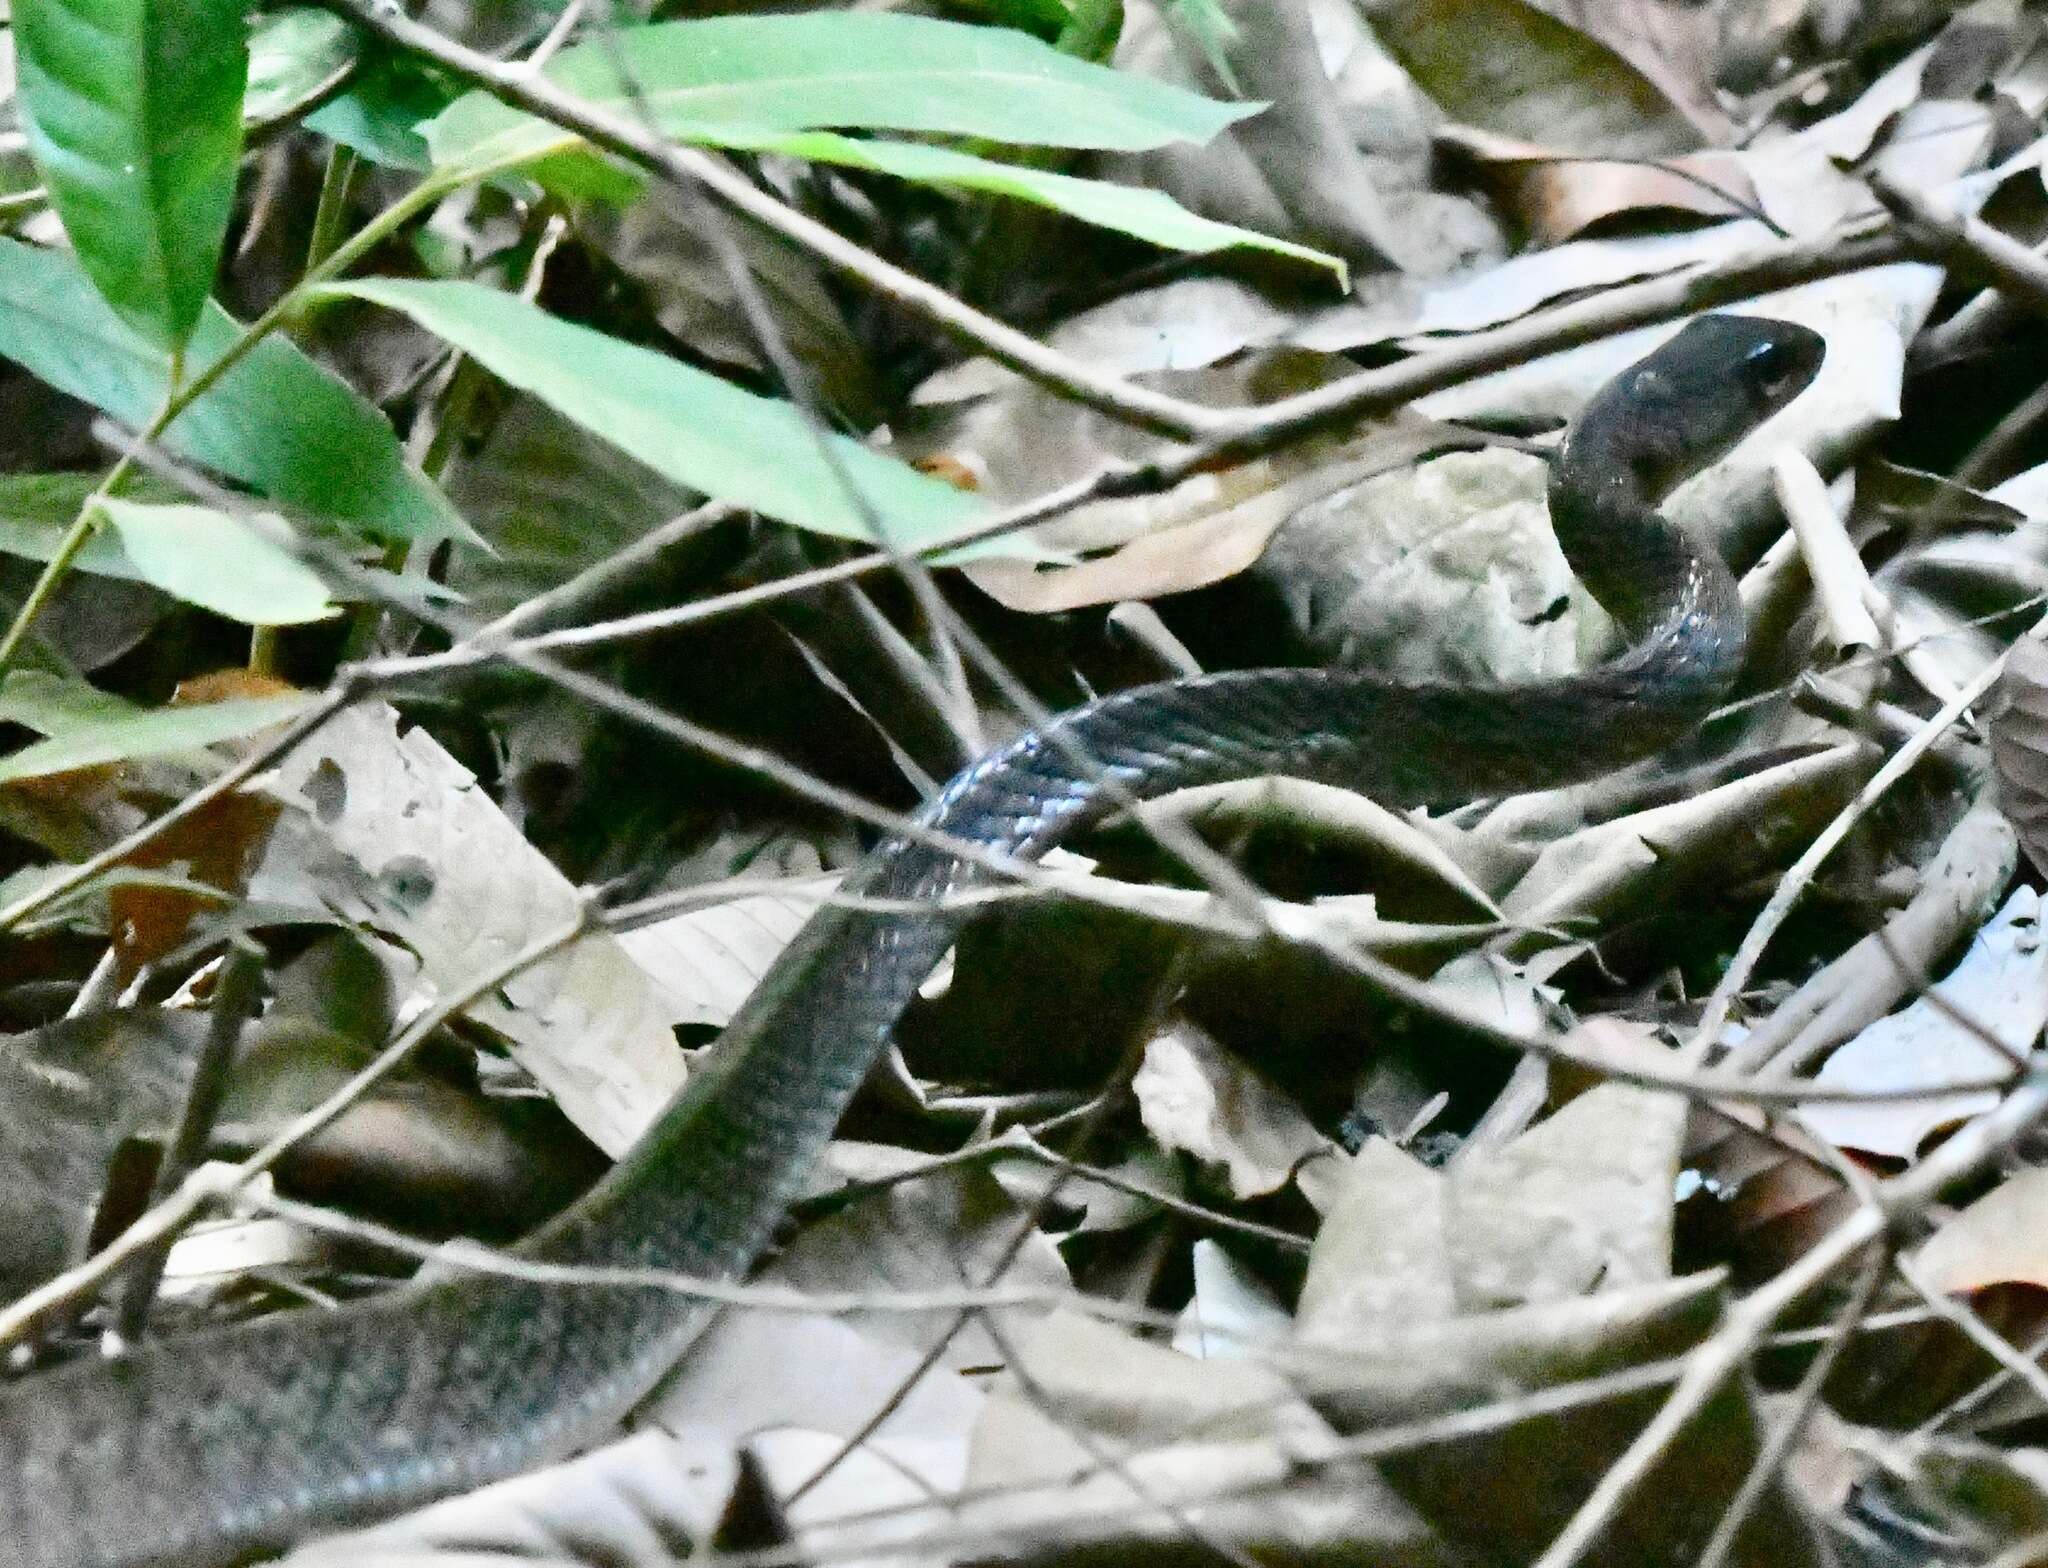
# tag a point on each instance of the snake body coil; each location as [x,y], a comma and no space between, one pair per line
[213,1447]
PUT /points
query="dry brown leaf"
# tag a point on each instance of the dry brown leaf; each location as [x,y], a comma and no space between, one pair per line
[1556,195]
[2001,1239]
[1507,66]
[1581,1201]
[1781,1194]
[1676,44]
[1209,528]
[2019,746]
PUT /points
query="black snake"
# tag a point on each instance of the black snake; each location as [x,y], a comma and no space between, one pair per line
[210,1448]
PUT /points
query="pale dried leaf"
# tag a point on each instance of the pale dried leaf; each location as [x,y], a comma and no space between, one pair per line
[1380,1257]
[2019,746]
[1596,874]
[1225,1444]
[1447,570]
[947,1230]
[1326,815]
[1232,1314]
[2000,1239]
[1534,278]
[636,1503]
[708,960]
[1197,1098]
[1999,989]
[1029,1176]
[753,1372]
[1582,1201]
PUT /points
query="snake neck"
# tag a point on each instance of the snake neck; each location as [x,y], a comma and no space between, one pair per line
[1675,600]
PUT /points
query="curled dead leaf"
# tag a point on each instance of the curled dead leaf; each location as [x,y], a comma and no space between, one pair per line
[2019,747]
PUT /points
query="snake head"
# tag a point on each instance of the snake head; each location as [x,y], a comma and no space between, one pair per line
[1687,404]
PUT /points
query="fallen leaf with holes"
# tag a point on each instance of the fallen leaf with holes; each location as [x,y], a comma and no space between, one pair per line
[402,840]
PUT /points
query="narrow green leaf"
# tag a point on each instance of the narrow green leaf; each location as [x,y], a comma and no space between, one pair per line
[291,54]
[684,424]
[37,511]
[135,117]
[52,704]
[219,563]
[1142,214]
[870,70]
[277,421]
[380,114]
[155,733]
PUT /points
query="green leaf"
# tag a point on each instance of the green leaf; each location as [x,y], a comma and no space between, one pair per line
[135,117]
[1214,32]
[37,511]
[380,114]
[52,704]
[155,733]
[291,54]
[277,421]
[684,424]
[1143,214]
[218,562]
[871,70]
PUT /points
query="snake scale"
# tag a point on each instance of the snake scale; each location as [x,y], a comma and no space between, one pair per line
[211,1448]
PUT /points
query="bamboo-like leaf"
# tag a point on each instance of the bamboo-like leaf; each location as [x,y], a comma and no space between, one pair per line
[277,421]
[135,118]
[1142,214]
[871,70]
[684,424]
[218,562]
[155,733]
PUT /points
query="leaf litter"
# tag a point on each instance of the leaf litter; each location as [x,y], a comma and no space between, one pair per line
[1295,1270]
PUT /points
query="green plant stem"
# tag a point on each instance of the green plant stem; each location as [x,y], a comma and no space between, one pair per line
[332,211]
[182,393]
[264,649]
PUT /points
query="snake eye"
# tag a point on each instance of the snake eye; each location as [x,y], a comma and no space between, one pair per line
[1771,366]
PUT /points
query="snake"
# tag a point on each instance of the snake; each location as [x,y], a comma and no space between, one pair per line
[207,1449]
